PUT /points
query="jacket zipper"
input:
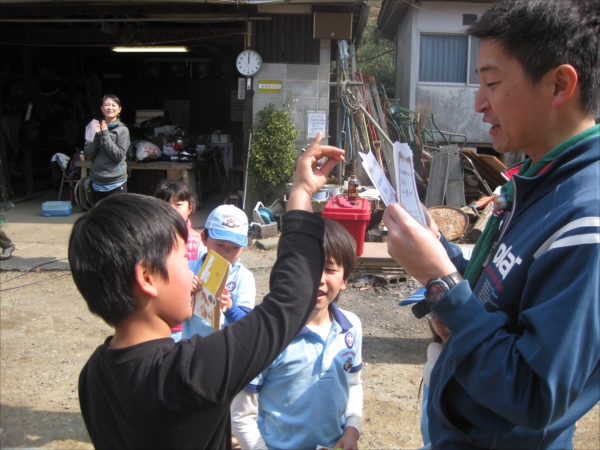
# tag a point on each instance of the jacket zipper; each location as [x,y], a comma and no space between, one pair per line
[504,226]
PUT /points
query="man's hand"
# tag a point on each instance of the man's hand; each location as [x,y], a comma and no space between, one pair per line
[431,223]
[349,440]
[308,178]
[415,247]
[225,300]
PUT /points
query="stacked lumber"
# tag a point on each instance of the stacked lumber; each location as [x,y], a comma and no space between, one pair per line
[489,167]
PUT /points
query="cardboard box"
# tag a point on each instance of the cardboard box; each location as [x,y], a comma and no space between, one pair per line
[159,141]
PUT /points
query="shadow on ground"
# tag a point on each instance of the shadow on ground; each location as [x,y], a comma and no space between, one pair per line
[26,427]
[395,350]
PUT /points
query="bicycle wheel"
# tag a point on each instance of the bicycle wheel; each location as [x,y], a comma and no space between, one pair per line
[80,195]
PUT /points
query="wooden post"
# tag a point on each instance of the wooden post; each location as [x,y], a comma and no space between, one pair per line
[455,185]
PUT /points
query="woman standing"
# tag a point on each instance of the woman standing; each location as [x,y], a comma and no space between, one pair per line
[108,152]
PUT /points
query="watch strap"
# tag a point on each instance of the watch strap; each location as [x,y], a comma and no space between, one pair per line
[423,308]
[453,279]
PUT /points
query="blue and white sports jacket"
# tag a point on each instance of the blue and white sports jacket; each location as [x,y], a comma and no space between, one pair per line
[522,364]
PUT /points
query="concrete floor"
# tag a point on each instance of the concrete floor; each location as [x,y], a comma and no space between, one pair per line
[44,240]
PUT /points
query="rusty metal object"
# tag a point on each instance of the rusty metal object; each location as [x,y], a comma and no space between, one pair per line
[451,221]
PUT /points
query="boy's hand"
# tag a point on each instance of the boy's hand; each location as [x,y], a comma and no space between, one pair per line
[349,440]
[196,284]
[308,178]
[225,300]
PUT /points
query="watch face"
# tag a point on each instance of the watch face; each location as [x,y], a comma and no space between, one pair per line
[248,62]
[437,290]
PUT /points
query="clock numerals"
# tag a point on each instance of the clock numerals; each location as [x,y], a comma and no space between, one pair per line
[248,63]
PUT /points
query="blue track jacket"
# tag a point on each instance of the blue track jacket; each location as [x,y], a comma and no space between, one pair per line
[522,362]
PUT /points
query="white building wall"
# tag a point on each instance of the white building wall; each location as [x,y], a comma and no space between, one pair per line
[305,88]
[451,104]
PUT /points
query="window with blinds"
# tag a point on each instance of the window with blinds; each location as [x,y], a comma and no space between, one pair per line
[448,58]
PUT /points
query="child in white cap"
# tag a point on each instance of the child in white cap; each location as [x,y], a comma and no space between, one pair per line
[226,233]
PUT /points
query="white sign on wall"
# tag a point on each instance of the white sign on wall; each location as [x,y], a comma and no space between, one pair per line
[317,122]
[241,91]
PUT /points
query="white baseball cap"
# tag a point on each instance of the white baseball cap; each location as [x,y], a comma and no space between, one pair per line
[228,223]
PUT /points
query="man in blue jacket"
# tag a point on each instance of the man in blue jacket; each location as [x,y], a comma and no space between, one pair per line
[522,364]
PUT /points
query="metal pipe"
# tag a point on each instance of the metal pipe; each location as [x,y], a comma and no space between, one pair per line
[348,83]
[383,133]
[385,136]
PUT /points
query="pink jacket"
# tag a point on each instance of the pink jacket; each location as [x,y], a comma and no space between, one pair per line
[195,249]
[194,246]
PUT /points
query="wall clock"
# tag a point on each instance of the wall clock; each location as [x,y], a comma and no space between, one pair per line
[248,63]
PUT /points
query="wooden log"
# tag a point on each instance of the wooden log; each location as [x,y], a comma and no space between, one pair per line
[481,223]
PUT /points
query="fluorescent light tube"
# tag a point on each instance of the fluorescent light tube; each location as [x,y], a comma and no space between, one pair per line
[150,49]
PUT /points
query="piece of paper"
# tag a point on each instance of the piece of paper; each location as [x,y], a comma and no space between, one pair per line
[213,274]
[378,178]
[405,181]
[90,130]
[316,123]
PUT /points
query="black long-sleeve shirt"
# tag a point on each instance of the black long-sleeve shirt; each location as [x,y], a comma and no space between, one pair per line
[159,394]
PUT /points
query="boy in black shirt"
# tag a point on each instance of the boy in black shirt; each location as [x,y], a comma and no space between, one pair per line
[140,389]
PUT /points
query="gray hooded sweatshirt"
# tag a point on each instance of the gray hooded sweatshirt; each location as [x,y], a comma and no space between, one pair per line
[108,154]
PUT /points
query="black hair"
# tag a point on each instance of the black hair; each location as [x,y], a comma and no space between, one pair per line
[108,242]
[112,97]
[435,337]
[340,246]
[543,34]
[170,189]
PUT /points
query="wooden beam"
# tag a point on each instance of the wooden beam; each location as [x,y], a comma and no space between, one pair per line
[91,36]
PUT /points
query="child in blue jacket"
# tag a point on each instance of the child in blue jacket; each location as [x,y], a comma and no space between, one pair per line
[226,233]
[312,393]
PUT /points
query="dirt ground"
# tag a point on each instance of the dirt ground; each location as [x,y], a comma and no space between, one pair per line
[47,334]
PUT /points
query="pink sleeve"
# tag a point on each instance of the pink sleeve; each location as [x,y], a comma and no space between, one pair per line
[193,245]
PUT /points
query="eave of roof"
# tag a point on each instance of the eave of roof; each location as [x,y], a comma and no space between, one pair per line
[392,12]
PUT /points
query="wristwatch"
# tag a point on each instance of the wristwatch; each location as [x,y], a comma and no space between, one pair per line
[436,289]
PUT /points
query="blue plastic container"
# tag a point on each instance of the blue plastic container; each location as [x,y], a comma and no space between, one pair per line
[57,209]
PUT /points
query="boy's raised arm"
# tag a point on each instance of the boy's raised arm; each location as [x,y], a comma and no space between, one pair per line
[232,357]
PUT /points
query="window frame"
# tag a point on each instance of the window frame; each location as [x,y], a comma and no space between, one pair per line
[446,83]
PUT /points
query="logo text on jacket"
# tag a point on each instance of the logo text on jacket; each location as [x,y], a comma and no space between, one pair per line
[505,260]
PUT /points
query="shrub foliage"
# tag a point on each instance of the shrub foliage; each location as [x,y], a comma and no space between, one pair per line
[273,152]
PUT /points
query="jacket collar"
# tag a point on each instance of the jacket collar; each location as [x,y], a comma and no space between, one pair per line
[581,154]
[338,316]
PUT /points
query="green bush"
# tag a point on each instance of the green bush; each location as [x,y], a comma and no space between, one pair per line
[273,152]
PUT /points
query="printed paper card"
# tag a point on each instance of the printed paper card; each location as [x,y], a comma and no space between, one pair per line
[378,178]
[213,275]
[90,130]
[405,181]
